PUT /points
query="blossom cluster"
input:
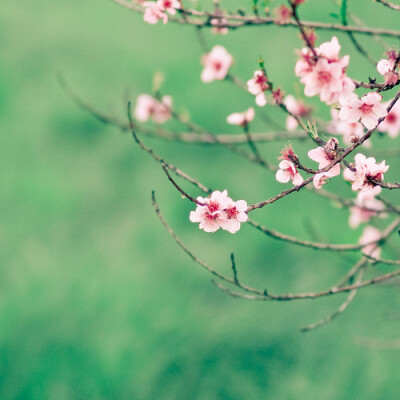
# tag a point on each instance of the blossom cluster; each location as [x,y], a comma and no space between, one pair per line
[219,211]
[389,68]
[323,72]
[157,10]
[365,172]
[148,107]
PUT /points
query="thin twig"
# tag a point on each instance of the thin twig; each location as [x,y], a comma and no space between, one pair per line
[242,21]
[340,310]
[389,4]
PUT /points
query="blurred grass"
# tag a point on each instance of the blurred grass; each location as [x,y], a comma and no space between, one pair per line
[96,300]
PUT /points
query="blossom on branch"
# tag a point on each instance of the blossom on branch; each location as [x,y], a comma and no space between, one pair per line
[216,64]
[217,28]
[321,179]
[351,131]
[241,119]
[282,14]
[366,170]
[298,109]
[325,75]
[371,234]
[364,209]
[288,172]
[148,107]
[258,86]
[386,67]
[325,155]
[219,211]
[368,109]
[155,10]
[391,124]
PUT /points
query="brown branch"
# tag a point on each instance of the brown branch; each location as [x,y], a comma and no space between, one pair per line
[242,21]
[188,196]
[340,310]
[338,159]
[306,243]
[161,160]
[389,4]
[302,32]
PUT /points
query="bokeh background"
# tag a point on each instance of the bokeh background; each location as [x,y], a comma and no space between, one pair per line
[96,299]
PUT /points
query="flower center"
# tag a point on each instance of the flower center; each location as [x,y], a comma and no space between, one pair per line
[217,65]
[366,108]
[213,207]
[391,118]
[231,212]
[324,77]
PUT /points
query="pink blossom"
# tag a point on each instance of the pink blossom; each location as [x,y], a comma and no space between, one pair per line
[216,64]
[391,124]
[241,119]
[362,212]
[311,36]
[217,29]
[386,67]
[288,171]
[365,170]
[305,64]
[371,234]
[212,213]
[278,96]
[351,131]
[170,6]
[149,108]
[154,13]
[282,14]
[368,109]
[321,179]
[325,75]
[325,156]
[298,109]
[258,86]
[330,51]
[324,79]
[219,211]
[288,154]
[235,215]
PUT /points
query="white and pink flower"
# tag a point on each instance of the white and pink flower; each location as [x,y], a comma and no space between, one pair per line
[258,86]
[371,234]
[235,215]
[217,28]
[321,179]
[391,124]
[219,211]
[298,109]
[325,75]
[351,131]
[153,13]
[241,119]
[364,209]
[386,67]
[288,172]
[216,64]
[170,6]
[156,10]
[149,108]
[324,157]
[368,109]
[366,170]
[282,14]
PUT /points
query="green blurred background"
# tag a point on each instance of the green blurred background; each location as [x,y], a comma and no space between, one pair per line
[96,299]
